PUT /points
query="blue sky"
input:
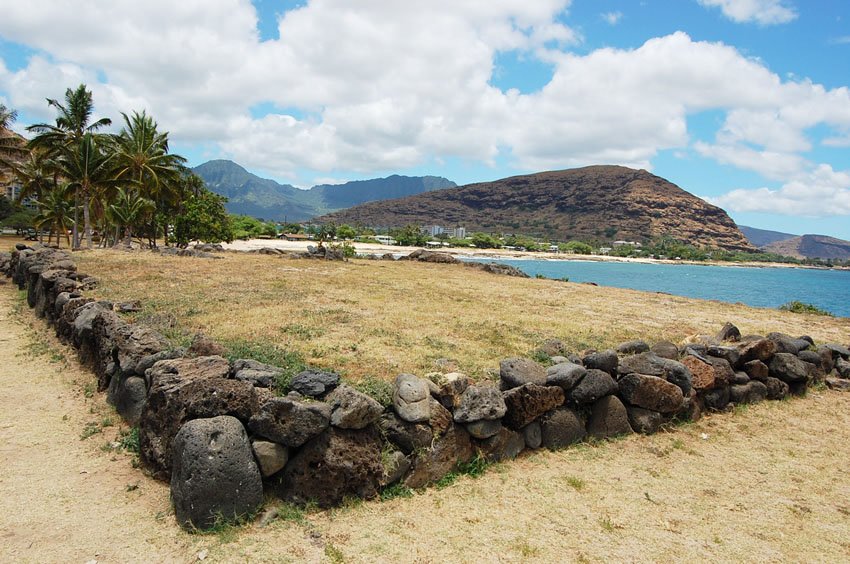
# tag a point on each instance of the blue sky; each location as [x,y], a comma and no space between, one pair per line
[743,102]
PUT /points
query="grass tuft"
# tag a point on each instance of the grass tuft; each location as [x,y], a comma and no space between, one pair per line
[802,307]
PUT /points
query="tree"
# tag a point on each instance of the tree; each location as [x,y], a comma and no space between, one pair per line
[345,231]
[12,146]
[203,219]
[409,235]
[73,124]
[20,221]
[141,158]
[88,169]
[128,210]
[37,175]
[55,208]
[484,241]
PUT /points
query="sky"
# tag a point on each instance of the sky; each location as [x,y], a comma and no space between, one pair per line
[742,102]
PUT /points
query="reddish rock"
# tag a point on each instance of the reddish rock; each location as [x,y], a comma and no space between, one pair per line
[651,392]
[528,402]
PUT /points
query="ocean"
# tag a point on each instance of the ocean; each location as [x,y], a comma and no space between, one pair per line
[759,287]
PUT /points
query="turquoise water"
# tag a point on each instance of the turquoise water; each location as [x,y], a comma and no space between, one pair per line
[760,287]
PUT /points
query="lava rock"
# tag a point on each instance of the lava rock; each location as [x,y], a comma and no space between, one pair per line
[505,445]
[594,385]
[776,388]
[289,422]
[483,429]
[431,464]
[130,399]
[396,465]
[480,402]
[653,365]
[450,387]
[666,349]
[788,368]
[608,418]
[607,361]
[351,409]
[529,401]
[644,421]
[214,476]
[314,383]
[565,374]
[716,399]
[561,427]
[757,370]
[752,392]
[407,436]
[411,397]
[514,372]
[632,347]
[729,333]
[760,349]
[271,457]
[533,435]
[651,392]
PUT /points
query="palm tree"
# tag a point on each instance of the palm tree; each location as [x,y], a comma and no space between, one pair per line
[142,158]
[12,146]
[89,170]
[37,175]
[55,208]
[72,125]
[129,209]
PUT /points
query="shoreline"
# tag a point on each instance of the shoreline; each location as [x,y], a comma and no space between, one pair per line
[502,254]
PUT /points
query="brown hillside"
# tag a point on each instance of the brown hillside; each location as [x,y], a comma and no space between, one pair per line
[596,202]
[812,246]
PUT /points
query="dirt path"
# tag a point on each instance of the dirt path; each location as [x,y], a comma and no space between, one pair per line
[767,483]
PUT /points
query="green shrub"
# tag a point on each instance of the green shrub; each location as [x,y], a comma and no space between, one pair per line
[802,307]
[377,389]
[290,361]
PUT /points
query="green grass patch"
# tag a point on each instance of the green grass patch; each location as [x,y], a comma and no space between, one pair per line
[802,307]
[263,351]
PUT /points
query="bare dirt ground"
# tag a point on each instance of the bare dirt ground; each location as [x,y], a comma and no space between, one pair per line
[767,483]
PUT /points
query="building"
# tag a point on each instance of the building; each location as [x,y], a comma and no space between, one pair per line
[385,240]
[450,232]
[634,244]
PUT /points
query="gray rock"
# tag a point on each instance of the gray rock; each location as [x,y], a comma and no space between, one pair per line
[757,370]
[758,349]
[843,368]
[561,427]
[214,476]
[148,361]
[730,354]
[595,384]
[528,402]
[838,384]
[739,379]
[505,445]
[838,350]
[514,372]
[480,402]
[130,399]
[483,429]
[290,423]
[565,374]
[337,464]
[351,409]
[716,399]
[411,398]
[632,347]
[653,365]
[644,421]
[787,344]
[776,388]
[729,333]
[608,418]
[651,392]
[558,359]
[259,374]
[431,464]
[666,349]
[406,436]
[811,357]
[314,383]
[752,392]
[827,360]
[271,457]
[533,435]
[607,361]
[788,368]
[396,465]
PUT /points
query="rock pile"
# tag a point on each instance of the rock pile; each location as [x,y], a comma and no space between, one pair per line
[220,434]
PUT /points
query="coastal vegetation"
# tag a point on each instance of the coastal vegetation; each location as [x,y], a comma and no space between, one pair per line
[73,174]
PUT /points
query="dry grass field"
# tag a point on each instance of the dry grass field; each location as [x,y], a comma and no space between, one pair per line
[765,483]
[376,318]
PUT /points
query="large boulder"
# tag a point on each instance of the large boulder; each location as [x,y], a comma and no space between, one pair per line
[788,368]
[607,361]
[446,452]
[561,427]
[565,375]
[595,384]
[351,409]
[314,383]
[336,465]
[702,372]
[411,397]
[408,437]
[608,418]
[290,422]
[181,390]
[514,372]
[528,402]
[480,402]
[215,477]
[653,365]
[644,421]
[651,392]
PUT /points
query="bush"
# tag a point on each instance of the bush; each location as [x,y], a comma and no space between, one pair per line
[802,307]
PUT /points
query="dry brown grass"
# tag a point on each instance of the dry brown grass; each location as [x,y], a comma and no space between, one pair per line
[375,318]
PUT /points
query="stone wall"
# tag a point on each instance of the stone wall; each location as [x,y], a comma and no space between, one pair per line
[222,436]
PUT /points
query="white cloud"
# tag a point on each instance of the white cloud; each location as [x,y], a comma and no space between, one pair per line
[387,85]
[762,12]
[612,18]
[819,192]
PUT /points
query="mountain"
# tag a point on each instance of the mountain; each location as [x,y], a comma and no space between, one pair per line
[249,194]
[811,246]
[596,202]
[762,237]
